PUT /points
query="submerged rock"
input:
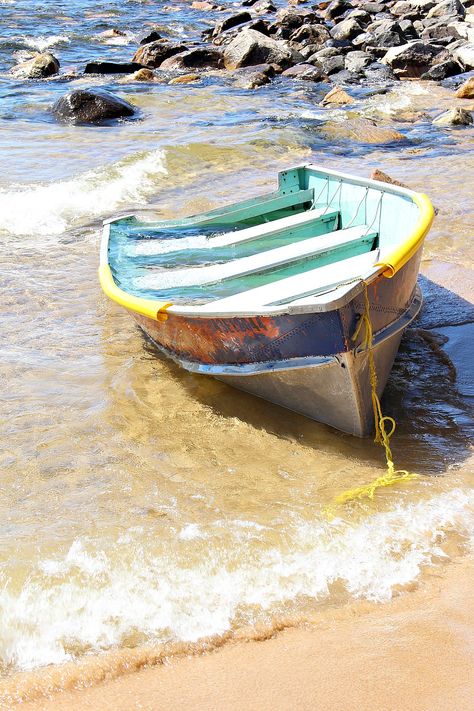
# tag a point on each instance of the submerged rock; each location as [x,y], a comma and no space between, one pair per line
[454,117]
[362,131]
[384,178]
[152,55]
[253,77]
[41,66]
[143,74]
[91,106]
[250,47]
[185,79]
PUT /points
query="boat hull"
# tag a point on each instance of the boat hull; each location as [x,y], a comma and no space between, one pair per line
[326,379]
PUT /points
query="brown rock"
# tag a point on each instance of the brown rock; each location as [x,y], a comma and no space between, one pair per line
[41,66]
[185,79]
[337,95]
[384,178]
[203,5]
[466,90]
[152,54]
[141,75]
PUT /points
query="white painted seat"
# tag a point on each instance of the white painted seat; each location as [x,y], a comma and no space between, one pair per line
[269,260]
[310,288]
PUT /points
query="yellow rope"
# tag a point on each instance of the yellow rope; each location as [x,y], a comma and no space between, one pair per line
[382,436]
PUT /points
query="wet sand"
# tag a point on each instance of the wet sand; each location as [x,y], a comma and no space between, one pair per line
[415,653]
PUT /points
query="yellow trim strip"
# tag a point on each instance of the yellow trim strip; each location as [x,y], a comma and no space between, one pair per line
[153,309]
[404,252]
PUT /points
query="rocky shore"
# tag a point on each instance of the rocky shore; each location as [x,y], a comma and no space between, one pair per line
[343,43]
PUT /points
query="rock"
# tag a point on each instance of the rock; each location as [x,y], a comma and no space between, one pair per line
[185,79]
[361,131]
[253,77]
[346,30]
[373,7]
[232,21]
[142,75]
[199,58]
[112,67]
[153,36]
[110,34]
[447,8]
[91,106]
[330,65]
[152,54]
[454,117]
[264,7]
[465,55]
[411,60]
[309,72]
[250,47]
[337,8]
[311,34]
[442,71]
[466,90]
[41,66]
[203,6]
[378,73]
[384,178]
[338,96]
[357,61]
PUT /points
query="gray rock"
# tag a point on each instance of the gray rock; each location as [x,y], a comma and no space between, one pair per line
[408,29]
[250,47]
[151,55]
[199,58]
[232,21]
[253,77]
[411,60]
[448,8]
[465,55]
[112,68]
[364,39]
[337,8]
[379,73]
[309,72]
[330,65]
[346,30]
[91,106]
[443,70]
[41,66]
[373,7]
[264,7]
[454,117]
[357,61]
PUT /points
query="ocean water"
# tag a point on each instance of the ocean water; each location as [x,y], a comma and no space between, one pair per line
[145,506]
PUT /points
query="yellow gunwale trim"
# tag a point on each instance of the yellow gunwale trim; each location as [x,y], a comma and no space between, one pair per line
[146,307]
[404,252]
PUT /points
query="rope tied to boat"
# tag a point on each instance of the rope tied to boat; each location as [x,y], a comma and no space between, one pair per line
[382,433]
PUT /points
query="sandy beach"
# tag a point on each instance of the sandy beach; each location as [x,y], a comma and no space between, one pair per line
[415,653]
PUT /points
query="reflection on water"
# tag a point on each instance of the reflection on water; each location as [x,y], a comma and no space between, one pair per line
[144,504]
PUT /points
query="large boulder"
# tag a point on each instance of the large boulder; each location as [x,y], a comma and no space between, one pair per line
[411,60]
[151,55]
[346,30]
[447,8]
[41,66]
[361,130]
[199,58]
[91,106]
[250,47]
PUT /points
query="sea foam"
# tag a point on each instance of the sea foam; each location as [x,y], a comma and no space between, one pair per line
[86,600]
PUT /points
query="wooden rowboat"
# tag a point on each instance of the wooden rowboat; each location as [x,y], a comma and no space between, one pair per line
[266,294]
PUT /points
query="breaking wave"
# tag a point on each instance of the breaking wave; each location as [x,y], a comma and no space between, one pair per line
[53,208]
[92,599]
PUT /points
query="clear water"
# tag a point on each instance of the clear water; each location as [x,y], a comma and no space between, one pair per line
[145,505]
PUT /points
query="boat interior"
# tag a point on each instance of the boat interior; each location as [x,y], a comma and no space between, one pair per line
[320,232]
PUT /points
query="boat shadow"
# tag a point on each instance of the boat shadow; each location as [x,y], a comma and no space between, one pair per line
[434,419]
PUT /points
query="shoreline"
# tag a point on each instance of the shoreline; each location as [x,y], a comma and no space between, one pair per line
[414,652]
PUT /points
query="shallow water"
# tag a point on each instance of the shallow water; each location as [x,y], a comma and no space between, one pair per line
[143,505]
